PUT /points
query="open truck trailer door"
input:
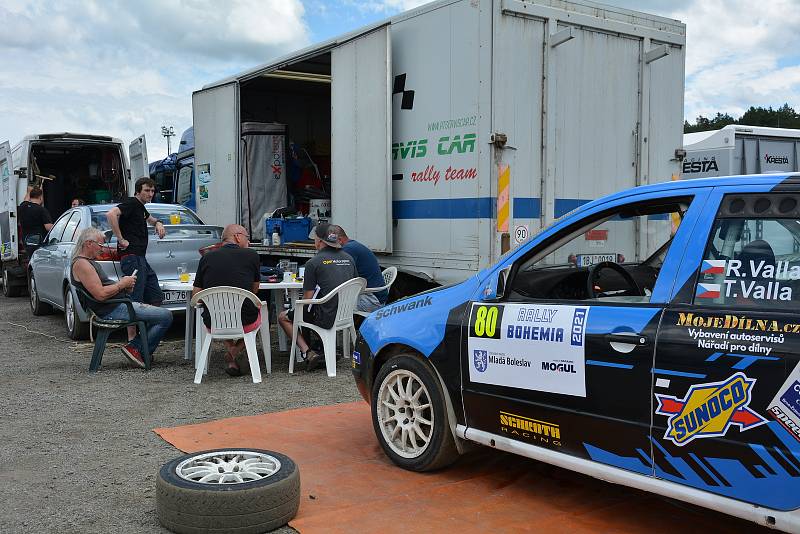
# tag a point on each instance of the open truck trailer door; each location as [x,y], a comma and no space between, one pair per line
[361,138]
[140,168]
[8,206]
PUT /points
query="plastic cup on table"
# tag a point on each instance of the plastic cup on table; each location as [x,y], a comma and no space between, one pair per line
[183,273]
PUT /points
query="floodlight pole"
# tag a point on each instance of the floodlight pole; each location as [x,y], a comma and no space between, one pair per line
[168,132]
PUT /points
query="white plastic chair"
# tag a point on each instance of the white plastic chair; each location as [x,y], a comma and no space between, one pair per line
[389,276]
[348,296]
[224,305]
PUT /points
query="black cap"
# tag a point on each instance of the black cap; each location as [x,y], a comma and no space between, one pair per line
[324,232]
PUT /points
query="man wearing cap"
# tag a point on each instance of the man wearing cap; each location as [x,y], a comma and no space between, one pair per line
[329,268]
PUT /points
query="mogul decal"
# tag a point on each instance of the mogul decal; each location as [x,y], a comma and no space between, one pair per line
[534,347]
[709,410]
[531,430]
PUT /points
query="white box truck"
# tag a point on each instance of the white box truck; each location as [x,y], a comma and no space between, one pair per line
[455,130]
[739,149]
[65,165]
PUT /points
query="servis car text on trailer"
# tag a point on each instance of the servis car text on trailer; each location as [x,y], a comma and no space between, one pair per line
[448,134]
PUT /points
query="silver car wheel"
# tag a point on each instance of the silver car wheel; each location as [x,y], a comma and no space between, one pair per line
[32,290]
[228,467]
[405,413]
[69,311]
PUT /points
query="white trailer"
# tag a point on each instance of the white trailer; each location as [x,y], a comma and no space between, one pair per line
[457,129]
[739,149]
[65,165]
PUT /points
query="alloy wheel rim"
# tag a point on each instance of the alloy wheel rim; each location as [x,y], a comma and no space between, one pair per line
[33,292]
[69,312]
[228,467]
[405,413]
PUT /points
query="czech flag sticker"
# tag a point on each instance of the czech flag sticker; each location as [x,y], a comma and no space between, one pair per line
[707,291]
[713,267]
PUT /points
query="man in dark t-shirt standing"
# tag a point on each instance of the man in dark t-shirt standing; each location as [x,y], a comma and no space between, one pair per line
[128,221]
[34,218]
[329,268]
[236,265]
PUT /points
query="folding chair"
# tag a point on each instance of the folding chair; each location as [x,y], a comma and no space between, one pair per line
[348,296]
[389,276]
[224,305]
[106,326]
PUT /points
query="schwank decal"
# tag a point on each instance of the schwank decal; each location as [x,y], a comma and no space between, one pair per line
[709,410]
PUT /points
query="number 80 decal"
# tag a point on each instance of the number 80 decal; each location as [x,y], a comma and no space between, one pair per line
[485,321]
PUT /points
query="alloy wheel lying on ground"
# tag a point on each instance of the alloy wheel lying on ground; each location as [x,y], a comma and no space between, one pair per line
[228,490]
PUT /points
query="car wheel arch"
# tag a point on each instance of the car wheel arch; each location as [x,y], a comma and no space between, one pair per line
[387,352]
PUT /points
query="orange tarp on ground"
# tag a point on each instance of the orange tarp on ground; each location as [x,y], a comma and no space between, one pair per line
[348,484]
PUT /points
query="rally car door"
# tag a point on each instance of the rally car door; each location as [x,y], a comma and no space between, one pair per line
[727,368]
[547,366]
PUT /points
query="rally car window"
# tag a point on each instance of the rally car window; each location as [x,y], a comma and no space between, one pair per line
[615,257]
[751,262]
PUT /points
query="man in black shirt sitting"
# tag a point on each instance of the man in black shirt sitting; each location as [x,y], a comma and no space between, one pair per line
[34,218]
[236,265]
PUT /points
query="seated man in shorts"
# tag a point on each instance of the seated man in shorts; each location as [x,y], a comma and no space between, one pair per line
[329,268]
[236,265]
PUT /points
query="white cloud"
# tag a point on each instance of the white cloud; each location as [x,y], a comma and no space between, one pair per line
[122,68]
[737,55]
[385,6]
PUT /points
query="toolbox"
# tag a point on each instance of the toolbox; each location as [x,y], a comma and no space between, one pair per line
[290,229]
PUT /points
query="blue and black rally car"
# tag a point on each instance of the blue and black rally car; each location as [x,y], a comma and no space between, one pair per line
[651,338]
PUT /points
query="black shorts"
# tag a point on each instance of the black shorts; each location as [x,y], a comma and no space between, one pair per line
[308,316]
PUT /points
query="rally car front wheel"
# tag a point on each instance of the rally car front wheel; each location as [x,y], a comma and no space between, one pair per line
[410,417]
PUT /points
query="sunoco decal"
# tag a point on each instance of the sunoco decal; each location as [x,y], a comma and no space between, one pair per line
[533,347]
[709,410]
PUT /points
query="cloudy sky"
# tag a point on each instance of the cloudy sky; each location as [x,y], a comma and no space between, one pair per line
[124,68]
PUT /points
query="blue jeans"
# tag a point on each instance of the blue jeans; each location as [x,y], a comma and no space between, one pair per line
[368,302]
[146,289]
[157,320]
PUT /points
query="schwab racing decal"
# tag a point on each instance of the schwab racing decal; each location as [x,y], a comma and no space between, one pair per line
[709,410]
[530,430]
[536,347]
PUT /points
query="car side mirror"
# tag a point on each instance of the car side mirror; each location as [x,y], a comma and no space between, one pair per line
[502,281]
[33,240]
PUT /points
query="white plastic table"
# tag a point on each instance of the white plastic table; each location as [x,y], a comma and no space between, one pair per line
[292,288]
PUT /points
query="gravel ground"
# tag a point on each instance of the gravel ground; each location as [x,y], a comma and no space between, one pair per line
[78,448]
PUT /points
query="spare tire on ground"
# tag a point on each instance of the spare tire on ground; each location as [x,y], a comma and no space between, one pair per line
[228,490]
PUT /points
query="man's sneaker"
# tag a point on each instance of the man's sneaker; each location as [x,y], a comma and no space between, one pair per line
[313,360]
[132,353]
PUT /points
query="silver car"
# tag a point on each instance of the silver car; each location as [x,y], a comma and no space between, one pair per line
[49,267]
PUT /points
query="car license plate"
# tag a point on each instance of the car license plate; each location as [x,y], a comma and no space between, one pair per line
[175,296]
[587,260]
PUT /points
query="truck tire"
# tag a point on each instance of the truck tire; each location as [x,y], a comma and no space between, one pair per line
[11,287]
[37,306]
[228,490]
[76,329]
[410,417]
